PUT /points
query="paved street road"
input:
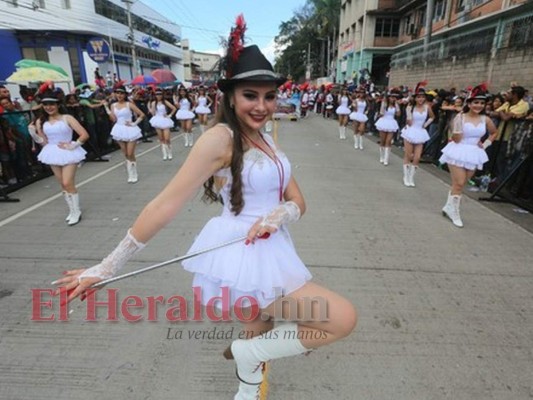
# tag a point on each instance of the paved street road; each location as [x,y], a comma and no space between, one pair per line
[445,313]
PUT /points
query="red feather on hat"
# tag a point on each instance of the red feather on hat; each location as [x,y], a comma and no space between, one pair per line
[419,85]
[235,44]
[48,85]
[479,89]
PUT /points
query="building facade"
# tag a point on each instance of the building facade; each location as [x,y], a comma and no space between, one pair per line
[393,42]
[205,67]
[61,32]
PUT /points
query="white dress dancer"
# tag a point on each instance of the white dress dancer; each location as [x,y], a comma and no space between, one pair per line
[202,108]
[387,123]
[416,133]
[359,113]
[359,117]
[242,267]
[51,153]
[122,132]
[343,111]
[467,153]
[184,114]
[160,120]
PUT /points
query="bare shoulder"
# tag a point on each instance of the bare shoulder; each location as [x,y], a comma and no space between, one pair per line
[216,142]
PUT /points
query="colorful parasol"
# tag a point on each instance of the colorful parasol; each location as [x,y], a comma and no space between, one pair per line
[36,74]
[27,63]
[164,75]
[144,80]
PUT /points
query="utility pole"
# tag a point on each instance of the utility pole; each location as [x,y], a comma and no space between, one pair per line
[131,38]
[429,26]
[308,70]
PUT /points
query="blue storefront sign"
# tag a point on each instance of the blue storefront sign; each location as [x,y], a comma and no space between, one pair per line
[98,49]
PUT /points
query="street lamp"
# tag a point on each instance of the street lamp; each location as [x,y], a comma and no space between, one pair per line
[131,37]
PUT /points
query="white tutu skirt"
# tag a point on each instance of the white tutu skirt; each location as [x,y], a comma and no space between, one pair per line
[124,133]
[52,154]
[468,156]
[264,270]
[160,122]
[342,110]
[415,135]
[385,124]
[202,110]
[359,117]
[184,114]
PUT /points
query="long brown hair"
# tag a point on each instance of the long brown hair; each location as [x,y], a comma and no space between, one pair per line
[226,115]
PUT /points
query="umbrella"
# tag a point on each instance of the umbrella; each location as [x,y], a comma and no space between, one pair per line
[144,80]
[164,75]
[36,74]
[27,63]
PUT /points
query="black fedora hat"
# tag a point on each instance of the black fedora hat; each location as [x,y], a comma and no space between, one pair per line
[251,66]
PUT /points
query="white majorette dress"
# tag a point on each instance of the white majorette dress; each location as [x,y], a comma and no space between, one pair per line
[121,131]
[202,106]
[467,153]
[359,115]
[51,153]
[185,110]
[388,123]
[343,109]
[416,133]
[160,119]
[264,270]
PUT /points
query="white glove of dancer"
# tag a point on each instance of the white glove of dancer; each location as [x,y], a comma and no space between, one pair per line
[283,214]
[71,145]
[33,133]
[116,260]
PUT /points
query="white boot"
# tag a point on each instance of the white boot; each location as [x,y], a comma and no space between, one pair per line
[186,138]
[355,142]
[251,354]
[451,209]
[128,168]
[68,199]
[169,151]
[406,172]
[360,142]
[412,172]
[134,175]
[381,154]
[268,126]
[386,154]
[191,138]
[202,128]
[164,151]
[342,132]
[76,212]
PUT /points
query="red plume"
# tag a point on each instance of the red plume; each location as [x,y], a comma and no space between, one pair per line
[479,89]
[235,44]
[420,85]
[48,85]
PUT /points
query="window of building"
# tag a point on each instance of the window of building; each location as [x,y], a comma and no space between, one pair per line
[478,2]
[65,4]
[41,3]
[406,25]
[440,10]
[387,27]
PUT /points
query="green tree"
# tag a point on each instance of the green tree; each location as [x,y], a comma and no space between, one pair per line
[307,32]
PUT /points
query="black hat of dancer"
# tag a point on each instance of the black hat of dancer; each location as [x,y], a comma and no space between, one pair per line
[245,64]
[120,89]
[49,96]
[478,93]
[420,89]
[395,93]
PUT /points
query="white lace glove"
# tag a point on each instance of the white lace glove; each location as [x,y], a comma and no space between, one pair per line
[284,213]
[486,144]
[71,146]
[428,123]
[116,260]
[33,133]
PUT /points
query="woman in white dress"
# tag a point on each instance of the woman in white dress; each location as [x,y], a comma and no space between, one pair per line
[414,135]
[465,152]
[125,131]
[343,110]
[260,196]
[387,124]
[54,132]
[359,117]
[161,121]
[184,103]
[203,108]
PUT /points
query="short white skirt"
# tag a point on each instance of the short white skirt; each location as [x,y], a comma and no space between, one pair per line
[468,156]
[52,154]
[359,117]
[415,135]
[184,114]
[160,122]
[387,124]
[125,133]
